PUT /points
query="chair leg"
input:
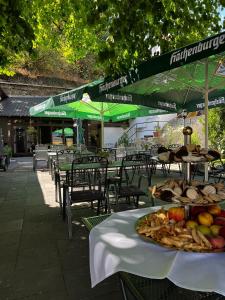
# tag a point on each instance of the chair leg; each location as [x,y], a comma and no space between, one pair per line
[64,204]
[34,165]
[152,200]
[69,216]
[60,197]
[137,202]
[123,289]
[98,208]
[107,202]
[56,188]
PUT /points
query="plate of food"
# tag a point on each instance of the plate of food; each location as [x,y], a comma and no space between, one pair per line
[168,228]
[194,193]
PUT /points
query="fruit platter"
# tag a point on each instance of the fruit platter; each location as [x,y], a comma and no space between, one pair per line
[188,153]
[193,193]
[203,231]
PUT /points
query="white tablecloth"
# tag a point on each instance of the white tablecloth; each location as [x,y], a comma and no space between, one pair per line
[115,246]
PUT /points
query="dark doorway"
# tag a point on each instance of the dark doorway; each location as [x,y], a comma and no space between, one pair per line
[20,140]
[45,132]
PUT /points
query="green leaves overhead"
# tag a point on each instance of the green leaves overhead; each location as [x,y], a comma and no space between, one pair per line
[119,33]
[135,27]
[16,34]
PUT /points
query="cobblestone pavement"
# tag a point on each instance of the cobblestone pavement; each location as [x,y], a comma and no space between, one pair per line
[37,261]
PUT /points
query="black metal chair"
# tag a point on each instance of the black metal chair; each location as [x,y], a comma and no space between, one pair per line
[154,149]
[111,153]
[216,170]
[86,183]
[62,156]
[134,167]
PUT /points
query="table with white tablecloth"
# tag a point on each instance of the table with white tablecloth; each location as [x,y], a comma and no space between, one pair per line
[115,246]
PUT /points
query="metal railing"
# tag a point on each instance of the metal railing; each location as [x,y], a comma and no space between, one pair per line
[132,133]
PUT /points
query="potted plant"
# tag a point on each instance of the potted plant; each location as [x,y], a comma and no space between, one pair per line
[157,131]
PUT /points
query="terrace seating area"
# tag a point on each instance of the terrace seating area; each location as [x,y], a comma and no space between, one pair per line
[44,257]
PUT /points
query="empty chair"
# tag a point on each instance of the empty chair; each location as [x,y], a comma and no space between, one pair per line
[154,149]
[62,157]
[87,183]
[40,156]
[134,168]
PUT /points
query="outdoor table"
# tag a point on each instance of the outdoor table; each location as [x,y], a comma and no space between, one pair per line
[115,164]
[114,246]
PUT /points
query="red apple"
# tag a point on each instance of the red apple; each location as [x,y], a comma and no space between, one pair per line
[195,210]
[222,231]
[217,242]
[176,213]
[219,221]
[222,213]
[214,210]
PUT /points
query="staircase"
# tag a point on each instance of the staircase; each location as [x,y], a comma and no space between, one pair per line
[134,132]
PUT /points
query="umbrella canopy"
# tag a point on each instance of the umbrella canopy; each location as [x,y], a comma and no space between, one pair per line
[174,81]
[67,132]
[89,110]
[190,78]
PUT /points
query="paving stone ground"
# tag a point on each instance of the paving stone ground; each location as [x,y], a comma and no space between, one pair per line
[37,261]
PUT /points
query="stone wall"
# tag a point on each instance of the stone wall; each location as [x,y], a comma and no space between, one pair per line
[19,85]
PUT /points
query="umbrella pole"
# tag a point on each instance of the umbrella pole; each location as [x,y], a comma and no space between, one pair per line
[206,114]
[78,135]
[102,131]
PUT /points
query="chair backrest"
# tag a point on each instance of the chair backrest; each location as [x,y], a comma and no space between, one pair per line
[90,172]
[109,153]
[92,149]
[131,163]
[154,149]
[65,156]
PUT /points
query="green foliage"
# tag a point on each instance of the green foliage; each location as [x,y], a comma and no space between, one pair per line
[118,33]
[103,154]
[16,34]
[172,135]
[123,140]
[132,28]
[217,127]
[195,139]
[31,130]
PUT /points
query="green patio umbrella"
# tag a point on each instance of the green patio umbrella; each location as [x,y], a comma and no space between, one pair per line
[190,78]
[67,132]
[89,110]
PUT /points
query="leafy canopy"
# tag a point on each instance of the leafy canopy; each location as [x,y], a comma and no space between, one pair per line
[119,33]
[216,119]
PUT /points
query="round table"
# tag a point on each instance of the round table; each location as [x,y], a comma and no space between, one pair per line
[115,246]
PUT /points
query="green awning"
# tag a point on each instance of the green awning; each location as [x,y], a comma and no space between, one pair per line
[67,132]
[173,81]
[89,110]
